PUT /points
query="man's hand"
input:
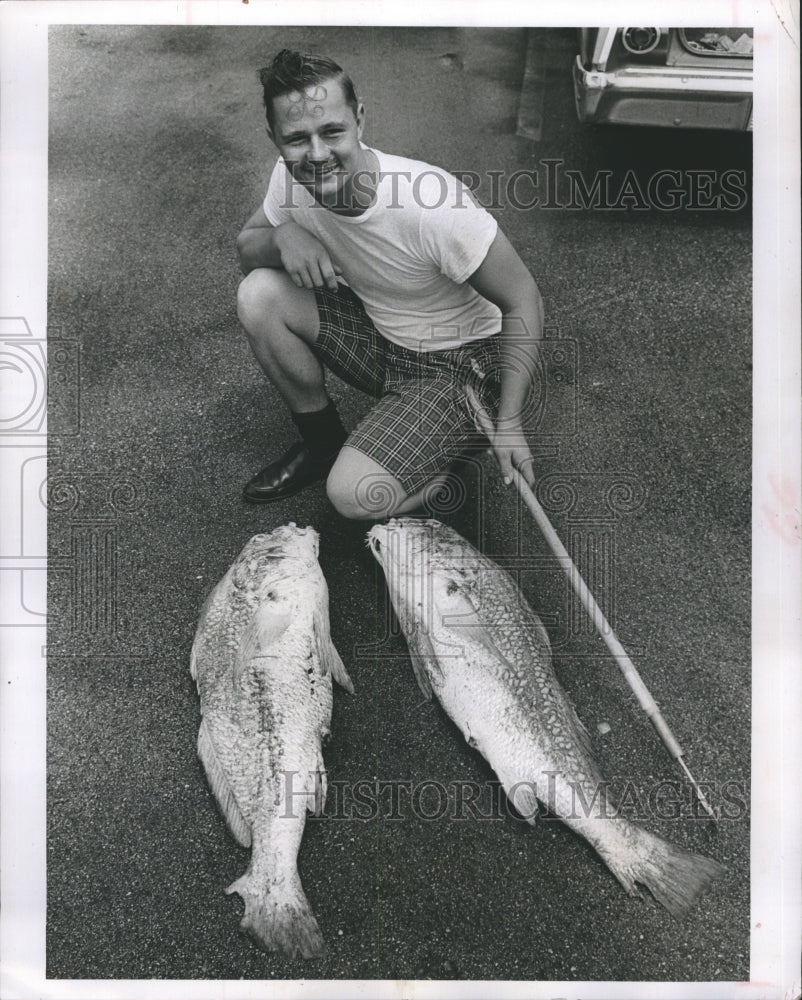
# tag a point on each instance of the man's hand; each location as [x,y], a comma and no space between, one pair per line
[288,246]
[507,439]
[512,452]
[305,259]
[502,278]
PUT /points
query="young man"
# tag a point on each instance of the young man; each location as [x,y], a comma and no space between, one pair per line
[436,299]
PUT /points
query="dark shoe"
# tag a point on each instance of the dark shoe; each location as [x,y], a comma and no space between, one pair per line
[288,475]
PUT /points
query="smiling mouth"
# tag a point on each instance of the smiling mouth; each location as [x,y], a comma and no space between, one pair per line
[318,172]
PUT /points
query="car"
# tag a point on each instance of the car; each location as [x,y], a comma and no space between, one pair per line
[676,77]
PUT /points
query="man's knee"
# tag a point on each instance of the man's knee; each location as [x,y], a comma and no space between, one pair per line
[258,295]
[269,303]
[362,494]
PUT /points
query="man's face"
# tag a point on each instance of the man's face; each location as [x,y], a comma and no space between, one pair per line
[318,135]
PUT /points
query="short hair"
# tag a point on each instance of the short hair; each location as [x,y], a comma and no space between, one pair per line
[294,71]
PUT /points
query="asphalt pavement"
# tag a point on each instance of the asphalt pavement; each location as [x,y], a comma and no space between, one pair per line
[157,156]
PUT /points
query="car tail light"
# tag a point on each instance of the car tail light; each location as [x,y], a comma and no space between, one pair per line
[639,41]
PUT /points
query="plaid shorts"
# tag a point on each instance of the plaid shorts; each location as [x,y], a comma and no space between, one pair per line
[421,420]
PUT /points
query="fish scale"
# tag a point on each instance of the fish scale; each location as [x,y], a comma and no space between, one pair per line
[263,661]
[477,645]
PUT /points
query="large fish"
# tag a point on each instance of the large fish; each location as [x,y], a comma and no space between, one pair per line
[263,660]
[485,654]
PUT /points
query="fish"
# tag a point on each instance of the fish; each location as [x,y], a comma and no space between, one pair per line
[263,661]
[477,645]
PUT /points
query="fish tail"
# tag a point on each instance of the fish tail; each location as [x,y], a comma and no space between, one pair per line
[279,921]
[673,875]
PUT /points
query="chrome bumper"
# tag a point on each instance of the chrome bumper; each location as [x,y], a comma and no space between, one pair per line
[664,95]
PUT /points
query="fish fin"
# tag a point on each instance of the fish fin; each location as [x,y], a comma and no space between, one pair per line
[540,628]
[318,785]
[264,630]
[468,619]
[421,654]
[331,662]
[194,655]
[581,734]
[321,788]
[674,876]
[193,661]
[279,921]
[464,621]
[338,671]
[221,789]
[329,658]
[522,795]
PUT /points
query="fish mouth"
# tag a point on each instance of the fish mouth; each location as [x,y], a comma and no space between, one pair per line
[401,538]
[276,542]
[376,538]
[411,525]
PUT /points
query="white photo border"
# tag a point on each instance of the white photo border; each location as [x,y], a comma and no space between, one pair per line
[776,928]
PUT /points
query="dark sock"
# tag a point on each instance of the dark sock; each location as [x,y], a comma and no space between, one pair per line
[322,431]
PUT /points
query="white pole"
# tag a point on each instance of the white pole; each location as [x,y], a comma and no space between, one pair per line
[627,667]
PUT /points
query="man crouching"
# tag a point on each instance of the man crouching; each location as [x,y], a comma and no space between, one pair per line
[385,271]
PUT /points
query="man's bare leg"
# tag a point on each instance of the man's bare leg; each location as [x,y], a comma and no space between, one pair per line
[282,323]
[360,488]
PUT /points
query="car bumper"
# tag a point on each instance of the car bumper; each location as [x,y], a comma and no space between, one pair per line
[664,95]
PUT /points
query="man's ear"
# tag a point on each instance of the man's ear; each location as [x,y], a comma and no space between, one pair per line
[360,120]
[271,135]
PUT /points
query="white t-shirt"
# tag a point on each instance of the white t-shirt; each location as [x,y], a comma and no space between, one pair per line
[408,256]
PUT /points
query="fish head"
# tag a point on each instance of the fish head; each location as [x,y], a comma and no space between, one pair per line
[402,542]
[438,585]
[406,541]
[287,540]
[261,555]
[426,563]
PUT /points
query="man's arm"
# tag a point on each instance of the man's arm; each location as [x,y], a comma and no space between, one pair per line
[504,280]
[288,246]
[256,244]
